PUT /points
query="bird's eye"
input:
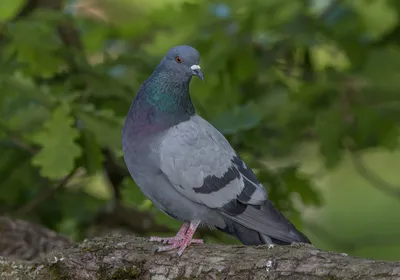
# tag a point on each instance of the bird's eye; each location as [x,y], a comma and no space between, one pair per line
[178,59]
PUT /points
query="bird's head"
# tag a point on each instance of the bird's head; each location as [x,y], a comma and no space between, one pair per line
[183,60]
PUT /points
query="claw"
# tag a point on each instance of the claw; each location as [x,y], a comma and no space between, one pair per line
[182,239]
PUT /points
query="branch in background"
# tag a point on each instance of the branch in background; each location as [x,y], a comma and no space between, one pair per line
[70,36]
[44,195]
[115,173]
[124,257]
[27,241]
[23,146]
[377,182]
[91,9]
[308,69]
[349,97]
[16,140]
[67,31]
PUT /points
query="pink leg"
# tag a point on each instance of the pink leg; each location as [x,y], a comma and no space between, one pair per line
[182,239]
[181,233]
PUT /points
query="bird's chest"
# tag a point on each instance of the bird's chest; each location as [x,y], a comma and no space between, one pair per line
[140,160]
[140,155]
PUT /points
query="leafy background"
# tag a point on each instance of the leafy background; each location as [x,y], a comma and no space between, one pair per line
[306,91]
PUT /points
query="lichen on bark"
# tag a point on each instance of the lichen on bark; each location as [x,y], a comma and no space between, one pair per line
[126,257]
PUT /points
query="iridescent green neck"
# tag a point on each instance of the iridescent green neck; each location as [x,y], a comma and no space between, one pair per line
[168,95]
[162,102]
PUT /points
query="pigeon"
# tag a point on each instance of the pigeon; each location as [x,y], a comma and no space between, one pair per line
[188,169]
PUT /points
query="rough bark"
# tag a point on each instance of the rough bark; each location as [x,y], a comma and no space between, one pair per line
[27,241]
[126,257]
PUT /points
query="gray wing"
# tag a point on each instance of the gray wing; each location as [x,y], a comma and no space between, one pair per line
[201,165]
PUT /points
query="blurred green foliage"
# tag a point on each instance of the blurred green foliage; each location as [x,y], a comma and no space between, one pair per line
[279,74]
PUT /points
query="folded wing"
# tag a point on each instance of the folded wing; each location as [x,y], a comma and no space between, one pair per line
[201,165]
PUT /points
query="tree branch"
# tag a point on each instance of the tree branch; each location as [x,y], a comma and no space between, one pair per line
[377,182]
[24,240]
[125,257]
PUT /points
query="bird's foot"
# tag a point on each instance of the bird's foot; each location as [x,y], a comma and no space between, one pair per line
[174,239]
[182,244]
[181,240]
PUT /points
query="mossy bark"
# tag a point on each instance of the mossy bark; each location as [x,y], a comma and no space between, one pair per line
[126,257]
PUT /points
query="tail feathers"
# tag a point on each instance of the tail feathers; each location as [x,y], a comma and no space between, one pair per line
[297,237]
[245,235]
[262,225]
[252,237]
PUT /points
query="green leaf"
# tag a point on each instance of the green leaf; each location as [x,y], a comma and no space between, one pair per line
[34,44]
[301,184]
[92,156]
[95,35]
[378,16]
[10,8]
[382,68]
[245,65]
[19,121]
[374,129]
[105,126]
[330,130]
[59,149]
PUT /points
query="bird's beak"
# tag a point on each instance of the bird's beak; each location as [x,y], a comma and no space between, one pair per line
[197,72]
